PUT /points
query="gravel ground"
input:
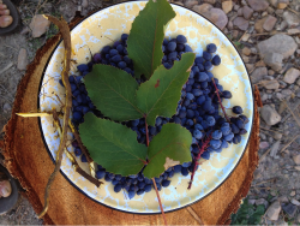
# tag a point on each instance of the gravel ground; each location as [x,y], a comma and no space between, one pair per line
[267,33]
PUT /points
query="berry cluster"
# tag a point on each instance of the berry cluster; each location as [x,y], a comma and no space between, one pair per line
[198,110]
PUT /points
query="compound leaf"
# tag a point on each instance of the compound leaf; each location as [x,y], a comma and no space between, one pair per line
[112,145]
[161,93]
[113,91]
[169,148]
[144,44]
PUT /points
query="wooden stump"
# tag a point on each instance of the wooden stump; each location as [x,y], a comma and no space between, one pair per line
[28,160]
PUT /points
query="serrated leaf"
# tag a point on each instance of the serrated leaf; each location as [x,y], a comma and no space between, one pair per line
[144,44]
[161,93]
[169,148]
[112,145]
[113,91]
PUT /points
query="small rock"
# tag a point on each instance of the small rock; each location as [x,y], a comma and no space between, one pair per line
[212,2]
[263,145]
[269,23]
[191,3]
[215,15]
[246,51]
[281,5]
[295,202]
[281,222]
[291,75]
[38,25]
[273,2]
[291,18]
[293,193]
[274,148]
[273,211]
[247,12]
[283,25]
[6,108]
[241,23]
[280,43]
[25,31]
[258,74]
[274,60]
[179,3]
[294,31]
[253,50]
[258,5]
[85,3]
[277,135]
[240,12]
[289,208]
[236,7]
[283,199]
[259,25]
[297,168]
[296,159]
[262,201]
[22,60]
[270,84]
[270,115]
[227,6]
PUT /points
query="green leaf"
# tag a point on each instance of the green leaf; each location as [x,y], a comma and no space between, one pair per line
[161,93]
[112,145]
[169,148]
[113,91]
[144,44]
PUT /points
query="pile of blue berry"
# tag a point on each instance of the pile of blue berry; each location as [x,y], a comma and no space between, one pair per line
[198,110]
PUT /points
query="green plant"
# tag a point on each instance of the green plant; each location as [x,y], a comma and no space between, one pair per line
[248,214]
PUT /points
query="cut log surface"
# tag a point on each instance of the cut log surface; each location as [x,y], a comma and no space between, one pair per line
[28,160]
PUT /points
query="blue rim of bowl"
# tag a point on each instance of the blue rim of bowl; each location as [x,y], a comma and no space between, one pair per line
[138,213]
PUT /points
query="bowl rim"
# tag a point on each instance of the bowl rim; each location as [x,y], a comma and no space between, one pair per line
[111,207]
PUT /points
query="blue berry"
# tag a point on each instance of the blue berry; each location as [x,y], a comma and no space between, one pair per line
[100,174]
[177,168]
[217,135]
[83,67]
[205,155]
[78,151]
[197,134]
[237,110]
[171,46]
[211,48]
[215,144]
[181,39]
[210,120]
[117,188]
[206,55]
[207,65]
[148,187]
[188,49]
[131,194]
[165,183]
[184,171]
[216,60]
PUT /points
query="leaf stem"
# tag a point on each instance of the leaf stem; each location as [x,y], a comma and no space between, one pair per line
[220,102]
[201,150]
[154,183]
[147,132]
[159,201]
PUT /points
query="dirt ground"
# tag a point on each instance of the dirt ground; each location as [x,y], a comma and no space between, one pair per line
[278,175]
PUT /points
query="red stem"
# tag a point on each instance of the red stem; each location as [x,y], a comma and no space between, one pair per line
[147,133]
[159,201]
[201,150]
[218,95]
[157,194]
